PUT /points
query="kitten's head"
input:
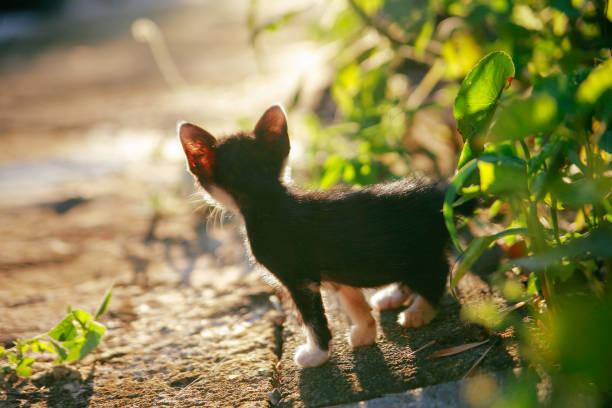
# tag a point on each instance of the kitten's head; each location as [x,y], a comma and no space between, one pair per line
[236,167]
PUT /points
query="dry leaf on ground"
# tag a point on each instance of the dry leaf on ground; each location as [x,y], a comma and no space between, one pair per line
[455,349]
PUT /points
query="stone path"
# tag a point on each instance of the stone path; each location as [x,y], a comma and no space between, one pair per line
[93,192]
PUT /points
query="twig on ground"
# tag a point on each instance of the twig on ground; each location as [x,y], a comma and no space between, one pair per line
[483,355]
[424,346]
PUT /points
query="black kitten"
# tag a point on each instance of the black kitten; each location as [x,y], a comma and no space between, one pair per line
[349,239]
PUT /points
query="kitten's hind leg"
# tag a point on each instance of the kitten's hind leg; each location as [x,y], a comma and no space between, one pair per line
[391,297]
[418,314]
[307,299]
[363,330]
[428,292]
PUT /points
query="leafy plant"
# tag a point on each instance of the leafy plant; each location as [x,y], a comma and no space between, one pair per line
[541,158]
[383,45]
[74,337]
[563,170]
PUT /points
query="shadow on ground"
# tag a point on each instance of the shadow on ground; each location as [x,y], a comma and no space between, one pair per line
[59,387]
[400,359]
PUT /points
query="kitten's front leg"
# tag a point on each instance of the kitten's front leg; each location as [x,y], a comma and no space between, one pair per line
[307,299]
[363,331]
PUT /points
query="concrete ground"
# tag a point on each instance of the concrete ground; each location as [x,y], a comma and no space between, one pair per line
[93,193]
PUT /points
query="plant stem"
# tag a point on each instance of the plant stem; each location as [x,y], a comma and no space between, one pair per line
[586,217]
[536,231]
[555,220]
[589,156]
[525,149]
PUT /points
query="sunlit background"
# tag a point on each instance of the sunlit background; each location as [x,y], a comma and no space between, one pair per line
[92,92]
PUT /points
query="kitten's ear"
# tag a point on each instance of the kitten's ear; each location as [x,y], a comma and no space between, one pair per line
[271,129]
[199,146]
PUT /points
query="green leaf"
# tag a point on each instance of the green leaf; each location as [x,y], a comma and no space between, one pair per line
[346,86]
[39,346]
[74,347]
[532,284]
[495,207]
[45,346]
[479,93]
[597,243]
[332,171]
[596,84]
[524,117]
[502,176]
[348,175]
[105,302]
[476,249]
[581,192]
[98,328]
[24,368]
[22,346]
[62,355]
[82,317]
[64,330]
[471,255]
[422,40]
[92,340]
[12,358]
[605,142]
[467,154]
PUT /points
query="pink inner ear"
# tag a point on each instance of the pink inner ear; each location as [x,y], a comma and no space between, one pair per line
[198,145]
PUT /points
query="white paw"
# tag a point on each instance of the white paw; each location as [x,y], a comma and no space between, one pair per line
[417,315]
[363,335]
[306,356]
[390,297]
[411,318]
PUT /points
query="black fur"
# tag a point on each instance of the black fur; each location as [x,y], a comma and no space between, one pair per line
[392,232]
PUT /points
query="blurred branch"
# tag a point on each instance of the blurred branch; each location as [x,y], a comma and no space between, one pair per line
[384,28]
[146,31]
[256,28]
[426,85]
[408,52]
[392,32]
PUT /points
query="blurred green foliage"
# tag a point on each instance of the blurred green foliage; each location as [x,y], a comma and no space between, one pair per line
[383,46]
[529,83]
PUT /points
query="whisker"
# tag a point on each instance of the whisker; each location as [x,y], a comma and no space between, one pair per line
[210,219]
[216,217]
[222,214]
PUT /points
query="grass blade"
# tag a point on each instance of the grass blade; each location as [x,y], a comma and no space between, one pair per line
[104,306]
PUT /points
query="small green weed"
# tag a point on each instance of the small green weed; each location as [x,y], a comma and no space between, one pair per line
[74,337]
